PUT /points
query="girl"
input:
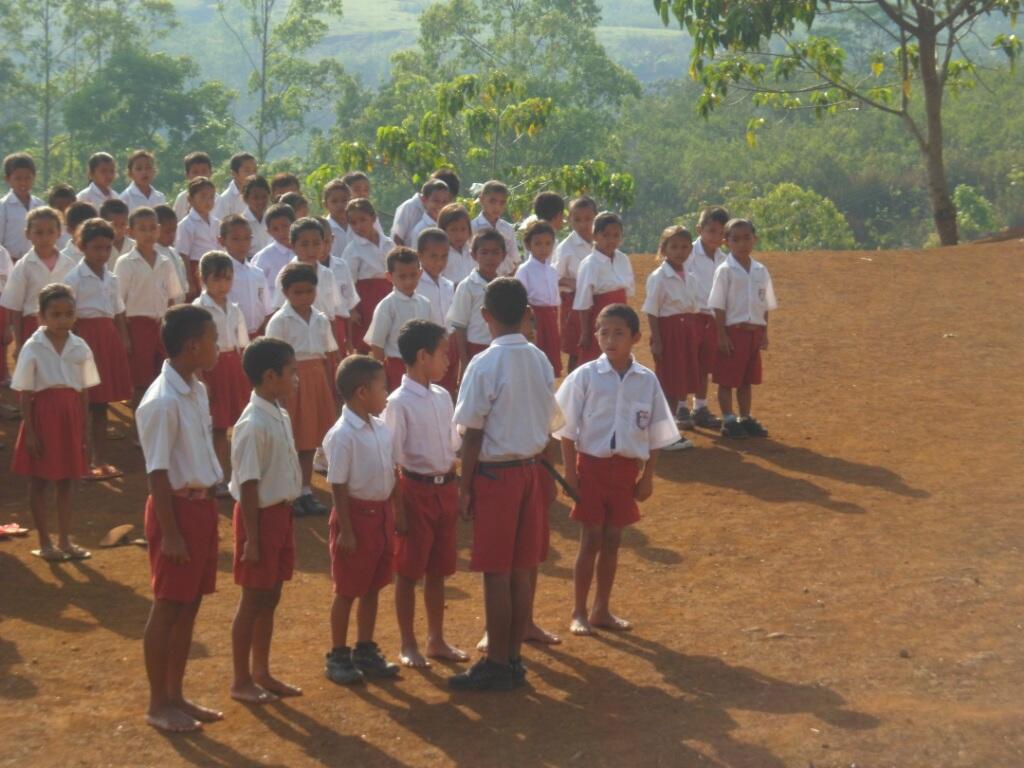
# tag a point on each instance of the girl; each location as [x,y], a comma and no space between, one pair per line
[541,281]
[100,323]
[226,383]
[141,193]
[256,196]
[345,312]
[454,220]
[605,277]
[335,197]
[366,255]
[54,370]
[198,232]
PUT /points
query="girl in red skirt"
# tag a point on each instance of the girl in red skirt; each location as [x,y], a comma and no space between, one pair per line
[366,254]
[54,371]
[100,322]
[541,281]
[226,383]
[605,277]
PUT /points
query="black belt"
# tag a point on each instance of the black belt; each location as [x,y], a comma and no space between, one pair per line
[506,464]
[429,479]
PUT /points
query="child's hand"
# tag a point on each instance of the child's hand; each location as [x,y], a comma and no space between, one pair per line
[764,341]
[251,551]
[346,541]
[573,482]
[656,347]
[466,504]
[172,546]
[644,488]
[724,343]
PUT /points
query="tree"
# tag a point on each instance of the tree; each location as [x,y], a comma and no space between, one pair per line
[767,48]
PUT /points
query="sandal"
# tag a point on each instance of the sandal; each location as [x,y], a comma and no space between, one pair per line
[75,552]
[12,529]
[50,555]
[112,471]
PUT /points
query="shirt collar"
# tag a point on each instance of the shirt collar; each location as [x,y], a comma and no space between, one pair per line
[177,383]
[353,419]
[363,241]
[266,406]
[399,296]
[509,340]
[193,214]
[232,189]
[476,277]
[414,387]
[85,270]
[207,302]
[605,366]
[669,271]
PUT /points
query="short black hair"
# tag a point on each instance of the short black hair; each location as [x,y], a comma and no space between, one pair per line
[547,205]
[305,224]
[198,184]
[606,219]
[284,179]
[113,206]
[53,292]
[494,187]
[431,235]
[715,213]
[165,213]
[401,255]
[505,298]
[278,211]
[416,335]
[238,158]
[77,213]
[182,324]
[232,220]
[293,200]
[215,264]
[739,223]
[583,201]
[487,235]
[625,313]
[265,354]
[353,176]
[92,228]
[432,185]
[96,159]
[60,192]
[356,371]
[138,213]
[18,161]
[254,182]
[538,227]
[197,158]
[296,272]
[449,177]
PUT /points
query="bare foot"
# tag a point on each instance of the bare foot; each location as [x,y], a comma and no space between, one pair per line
[535,634]
[580,626]
[605,620]
[202,714]
[277,687]
[441,650]
[410,656]
[250,693]
[482,645]
[172,720]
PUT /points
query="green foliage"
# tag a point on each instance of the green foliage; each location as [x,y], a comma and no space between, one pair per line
[974,213]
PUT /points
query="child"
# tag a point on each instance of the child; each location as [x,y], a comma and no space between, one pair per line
[361,471]
[616,420]
[59,198]
[408,214]
[311,407]
[358,183]
[741,296]
[116,212]
[307,241]
[472,332]
[493,202]
[242,165]
[142,171]
[541,281]
[20,174]
[366,255]
[54,371]
[148,284]
[297,202]
[226,384]
[249,284]
[6,335]
[700,269]
[605,277]
[335,197]
[256,195]
[100,323]
[266,479]
[419,415]
[454,220]
[198,232]
[102,173]
[167,220]
[395,310]
[569,255]
[74,217]
[505,411]
[432,249]
[272,258]
[196,164]
[550,207]
[181,518]
[346,312]
[282,184]
[435,195]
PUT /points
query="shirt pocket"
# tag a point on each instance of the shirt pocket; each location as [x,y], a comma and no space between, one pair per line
[640,414]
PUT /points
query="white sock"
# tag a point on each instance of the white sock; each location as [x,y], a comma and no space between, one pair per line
[306,491]
[699,403]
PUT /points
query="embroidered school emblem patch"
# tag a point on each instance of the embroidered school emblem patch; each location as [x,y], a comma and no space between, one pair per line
[760,293]
[643,418]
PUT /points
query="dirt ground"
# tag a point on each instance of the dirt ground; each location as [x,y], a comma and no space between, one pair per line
[848,592]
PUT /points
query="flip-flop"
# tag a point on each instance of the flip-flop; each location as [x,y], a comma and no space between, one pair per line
[53,555]
[95,474]
[112,471]
[13,529]
[118,537]
[75,552]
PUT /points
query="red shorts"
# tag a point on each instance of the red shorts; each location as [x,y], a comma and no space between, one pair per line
[549,340]
[370,291]
[277,548]
[229,389]
[606,491]
[148,352]
[570,325]
[508,521]
[394,370]
[601,300]
[677,366]
[197,523]
[369,568]
[429,547]
[743,366]
[108,351]
[706,333]
[59,422]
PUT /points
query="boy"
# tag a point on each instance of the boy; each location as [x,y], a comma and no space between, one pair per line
[59,198]
[472,332]
[74,217]
[358,183]
[568,256]
[273,257]
[116,212]
[181,517]
[550,207]
[435,195]
[249,287]
[706,258]
[411,211]
[167,221]
[605,277]
[454,221]
[20,174]
[493,202]
[432,248]
[616,421]
[394,311]
[256,196]
[335,197]
[102,172]
[297,202]
[198,231]
[505,412]
[361,471]
[419,415]
[265,480]
[142,171]
[196,164]
[243,165]
[283,183]
[741,297]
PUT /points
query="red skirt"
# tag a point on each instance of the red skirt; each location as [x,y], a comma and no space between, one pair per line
[4,373]
[29,325]
[548,337]
[678,366]
[108,351]
[57,416]
[229,389]
[147,350]
[370,291]
[601,300]
[570,325]
[451,376]
[311,406]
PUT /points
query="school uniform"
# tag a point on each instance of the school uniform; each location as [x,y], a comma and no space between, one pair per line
[127,246]
[28,277]
[95,196]
[176,433]
[229,201]
[440,293]
[64,240]
[746,298]
[349,299]
[407,215]
[615,421]
[360,455]
[508,392]
[394,311]
[97,302]
[181,204]
[270,261]
[368,263]
[425,222]
[508,232]
[460,264]
[425,441]
[465,314]
[6,265]
[226,383]
[311,407]
[569,254]
[179,268]
[327,300]
[260,237]
[74,253]
[673,300]
[136,198]
[541,282]
[197,236]
[700,270]
[249,292]
[146,292]
[58,417]
[601,281]
[13,213]
[339,238]
[263,449]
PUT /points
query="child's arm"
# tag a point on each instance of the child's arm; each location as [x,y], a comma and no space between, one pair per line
[346,541]
[569,464]
[32,444]
[724,342]
[122,328]
[472,439]
[652,323]
[586,338]
[249,501]
[14,321]
[460,345]
[645,485]
[764,339]
[172,545]
[377,353]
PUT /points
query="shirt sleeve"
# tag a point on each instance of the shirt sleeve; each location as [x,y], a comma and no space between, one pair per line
[275,329]
[24,378]
[90,375]
[13,297]
[584,287]
[119,307]
[462,305]
[157,423]
[183,240]
[476,398]
[247,448]
[719,288]
[329,342]
[570,398]
[653,299]
[339,459]
[380,325]
[241,330]
[663,430]
[770,302]
[174,288]
[631,280]
[394,417]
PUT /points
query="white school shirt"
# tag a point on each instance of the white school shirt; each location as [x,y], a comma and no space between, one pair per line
[64,240]
[28,277]
[360,454]
[12,224]
[508,391]
[196,236]
[424,222]
[702,268]
[328,298]
[746,297]
[263,449]
[176,431]
[95,295]
[569,254]
[464,312]
[95,196]
[339,238]
[270,261]
[73,252]
[346,286]
[249,292]
[229,201]
[420,420]
[599,274]
[669,293]
[135,198]
[440,294]
[600,406]
[39,366]
[147,290]
[179,268]
[365,259]
[127,246]
[311,340]
[460,264]
[6,265]
[394,311]
[507,231]
[540,281]
[260,237]
[406,217]
[181,204]
[231,331]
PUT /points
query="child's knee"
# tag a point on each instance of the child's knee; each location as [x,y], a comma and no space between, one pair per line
[591,538]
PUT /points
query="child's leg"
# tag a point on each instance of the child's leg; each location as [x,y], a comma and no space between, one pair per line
[306,465]
[250,605]
[498,615]
[156,642]
[433,600]
[744,396]
[535,633]
[37,503]
[522,603]
[366,616]
[179,644]
[222,447]
[582,576]
[725,400]
[262,634]
[607,562]
[405,611]
[98,414]
[341,608]
[63,494]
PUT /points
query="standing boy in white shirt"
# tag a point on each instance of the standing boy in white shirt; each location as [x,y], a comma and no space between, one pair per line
[432,248]
[472,332]
[366,254]
[568,256]
[249,287]
[273,258]
[395,310]
[198,231]
[20,174]
[493,202]
[142,170]
[605,277]
[102,173]
[196,164]
[168,223]
[242,165]
[435,196]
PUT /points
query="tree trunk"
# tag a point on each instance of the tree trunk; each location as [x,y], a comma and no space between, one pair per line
[943,209]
